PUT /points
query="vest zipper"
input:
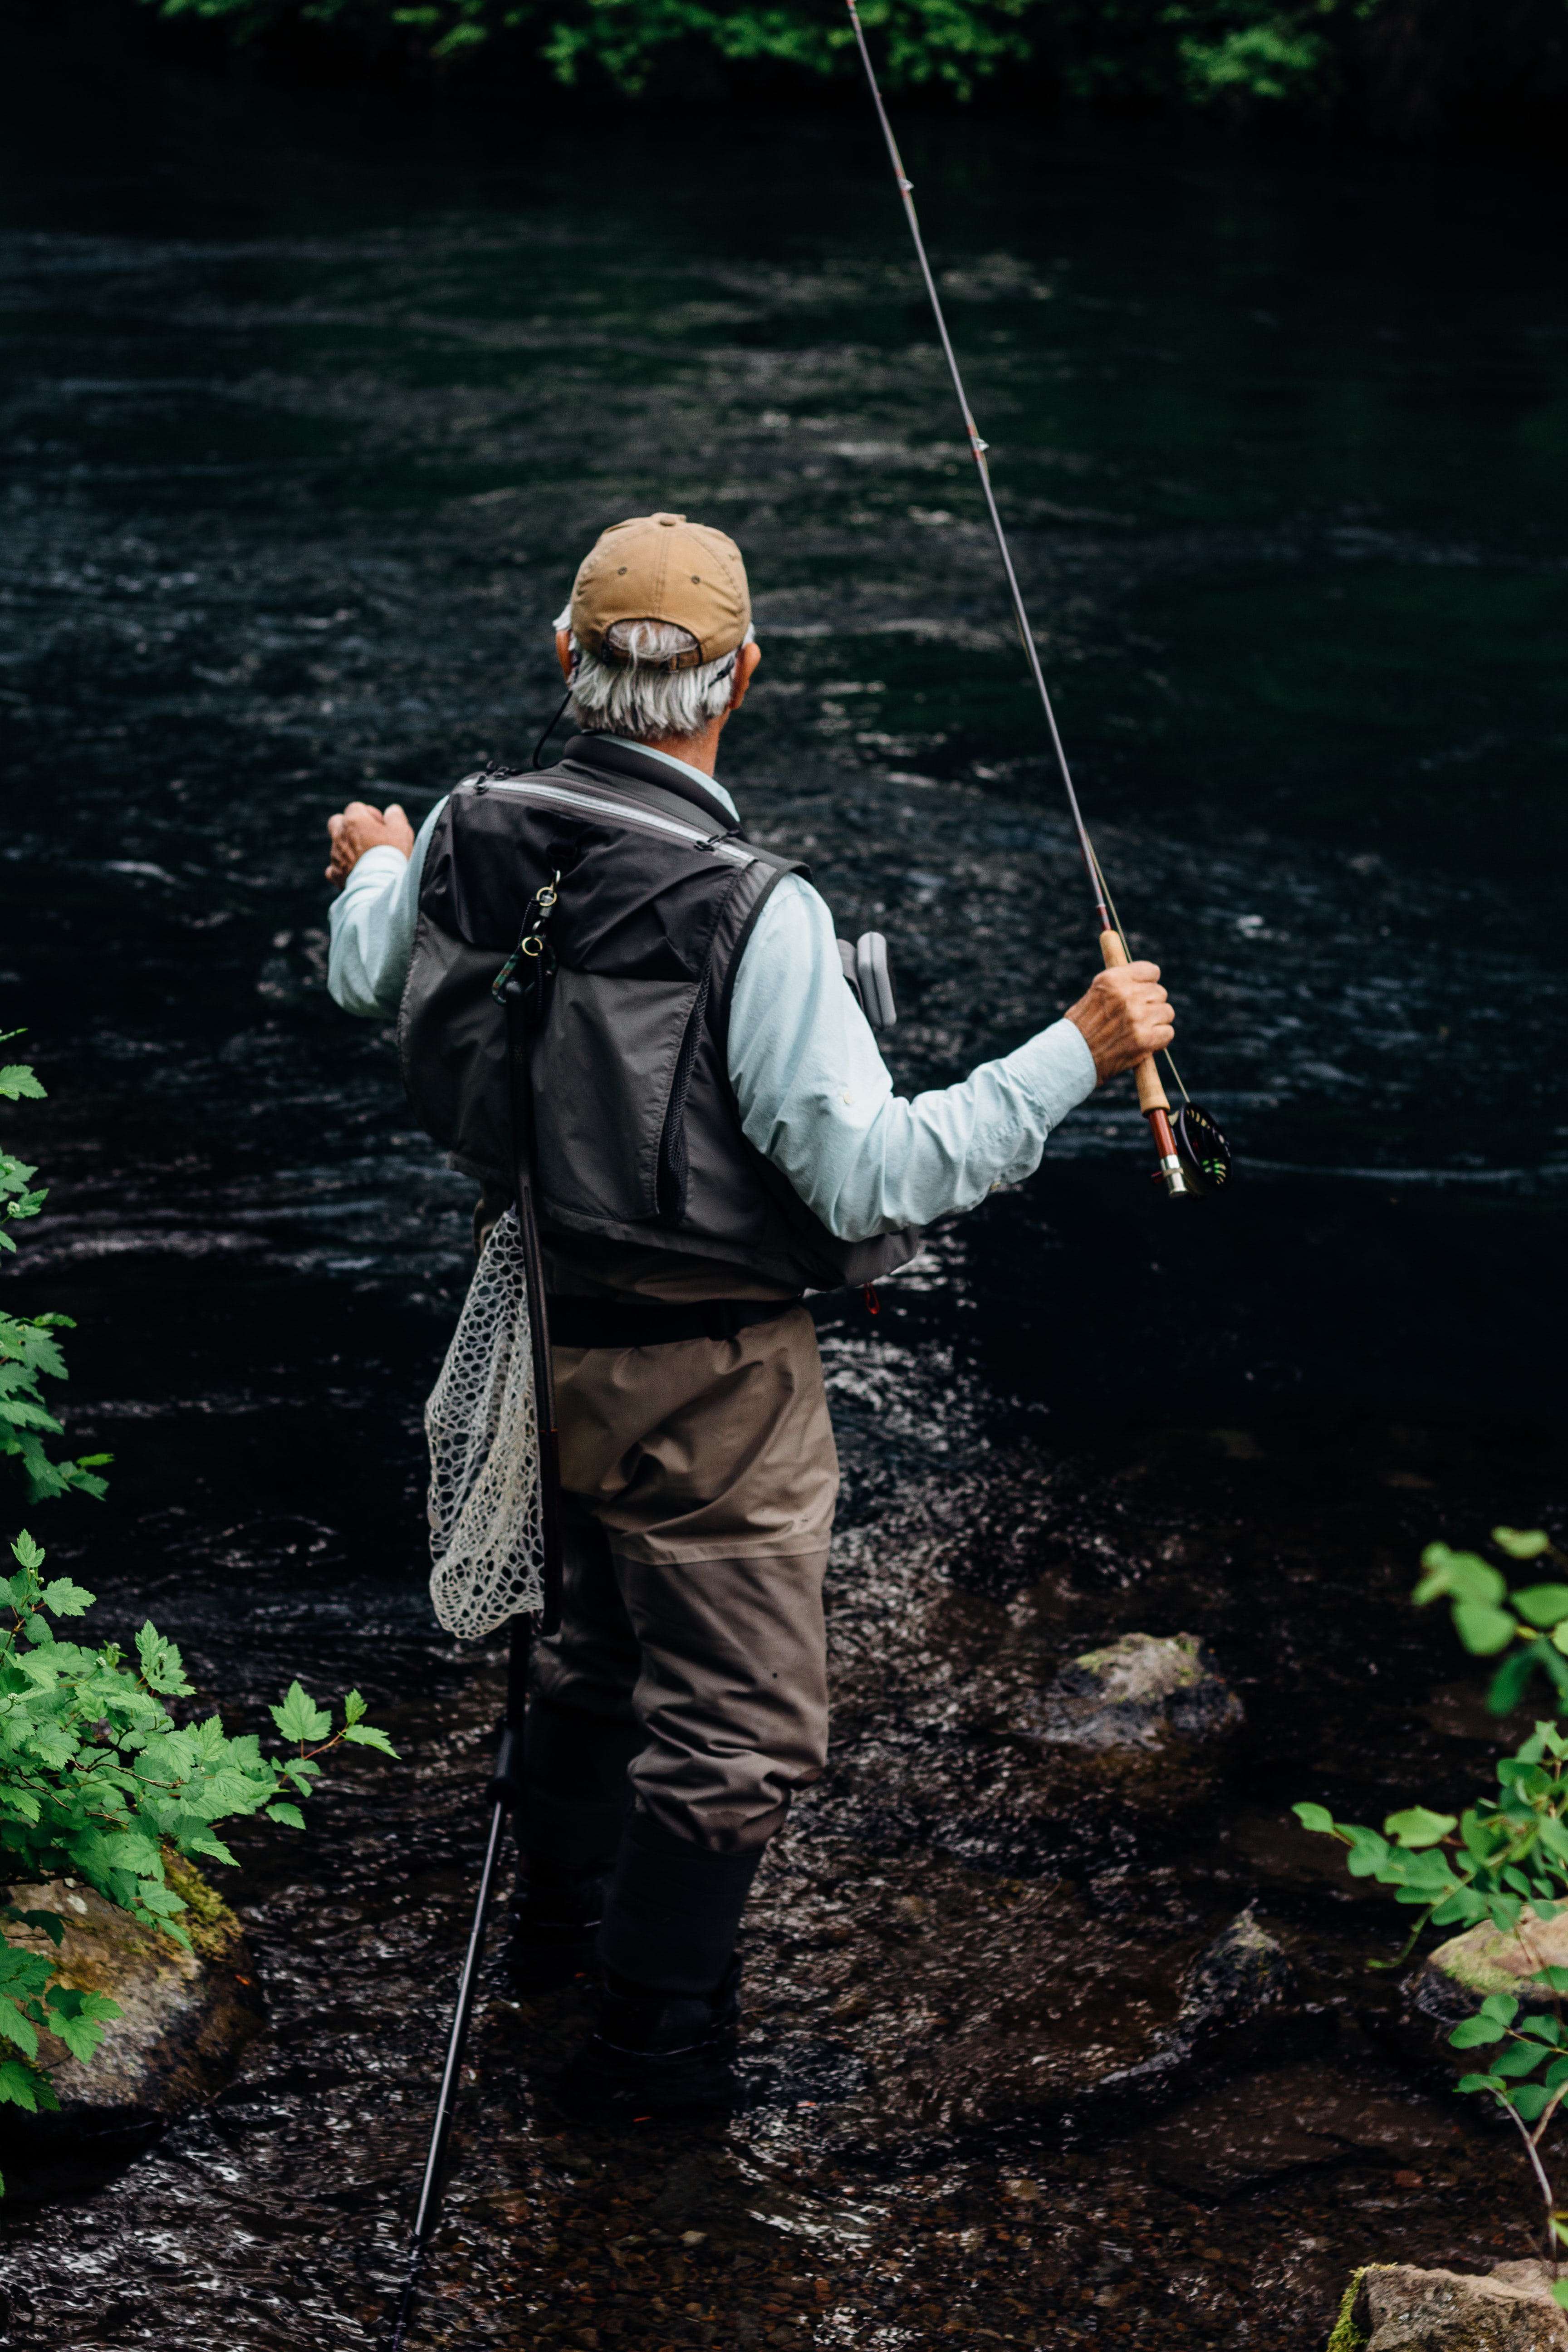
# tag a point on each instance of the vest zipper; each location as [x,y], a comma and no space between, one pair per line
[669,1179]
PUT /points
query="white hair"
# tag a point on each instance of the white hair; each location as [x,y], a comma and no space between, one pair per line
[638,693]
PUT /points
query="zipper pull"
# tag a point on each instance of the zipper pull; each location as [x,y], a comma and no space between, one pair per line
[873,1304]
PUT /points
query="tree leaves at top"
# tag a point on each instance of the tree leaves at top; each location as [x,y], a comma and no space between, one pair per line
[1230,53]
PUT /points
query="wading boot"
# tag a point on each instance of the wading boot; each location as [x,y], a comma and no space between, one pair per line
[656,2053]
[554,1926]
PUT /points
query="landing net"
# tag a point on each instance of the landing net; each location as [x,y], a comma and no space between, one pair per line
[486,1533]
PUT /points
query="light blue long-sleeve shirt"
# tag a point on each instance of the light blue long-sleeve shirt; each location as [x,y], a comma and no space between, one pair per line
[813,1090]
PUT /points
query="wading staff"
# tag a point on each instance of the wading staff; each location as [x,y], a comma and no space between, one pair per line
[1193,1156]
[522,1001]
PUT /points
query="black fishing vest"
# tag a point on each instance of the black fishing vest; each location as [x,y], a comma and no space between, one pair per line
[638,1135]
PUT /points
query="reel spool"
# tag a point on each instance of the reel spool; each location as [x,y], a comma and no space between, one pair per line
[1201,1150]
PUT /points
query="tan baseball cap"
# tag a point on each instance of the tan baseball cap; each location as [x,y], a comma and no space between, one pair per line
[660,567]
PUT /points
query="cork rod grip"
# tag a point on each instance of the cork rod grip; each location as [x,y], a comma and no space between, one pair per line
[1151,1095]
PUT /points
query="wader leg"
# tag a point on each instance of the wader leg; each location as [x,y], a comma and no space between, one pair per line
[576,1750]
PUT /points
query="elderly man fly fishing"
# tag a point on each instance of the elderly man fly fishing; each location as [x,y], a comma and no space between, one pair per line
[637,1031]
[714,1134]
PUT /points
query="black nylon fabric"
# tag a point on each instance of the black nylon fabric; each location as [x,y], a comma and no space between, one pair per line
[638,1134]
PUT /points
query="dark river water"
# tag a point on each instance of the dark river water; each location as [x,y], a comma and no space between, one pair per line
[309,417]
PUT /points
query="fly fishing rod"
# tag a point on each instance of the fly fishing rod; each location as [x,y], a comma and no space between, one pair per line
[1193,1154]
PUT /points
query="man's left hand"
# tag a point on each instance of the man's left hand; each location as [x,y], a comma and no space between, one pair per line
[359,827]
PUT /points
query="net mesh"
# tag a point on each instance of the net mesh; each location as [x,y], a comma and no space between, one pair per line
[486,1535]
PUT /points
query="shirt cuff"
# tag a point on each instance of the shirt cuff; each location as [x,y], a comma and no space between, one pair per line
[382,864]
[1055,1070]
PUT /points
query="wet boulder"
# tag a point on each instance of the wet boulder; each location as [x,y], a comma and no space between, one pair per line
[1138,1692]
[186,2016]
[1391,2307]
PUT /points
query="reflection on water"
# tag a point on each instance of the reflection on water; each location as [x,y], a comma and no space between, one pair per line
[307,434]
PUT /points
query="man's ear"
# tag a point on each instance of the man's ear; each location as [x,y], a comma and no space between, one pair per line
[746,662]
[563,653]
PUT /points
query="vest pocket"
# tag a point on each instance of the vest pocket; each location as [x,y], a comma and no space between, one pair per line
[605,1071]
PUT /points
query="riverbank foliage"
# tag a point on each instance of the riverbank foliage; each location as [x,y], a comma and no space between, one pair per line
[98,1781]
[1404,64]
[29,1347]
[1503,1863]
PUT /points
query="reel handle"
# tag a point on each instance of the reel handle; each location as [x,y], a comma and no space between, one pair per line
[1152,1100]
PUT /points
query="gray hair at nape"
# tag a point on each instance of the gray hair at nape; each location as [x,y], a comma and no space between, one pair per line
[639,694]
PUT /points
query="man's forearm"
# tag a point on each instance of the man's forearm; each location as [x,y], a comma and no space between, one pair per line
[815,1096]
[372,926]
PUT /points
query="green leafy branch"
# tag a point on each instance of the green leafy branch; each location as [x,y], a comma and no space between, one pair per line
[1488,1618]
[1505,1859]
[98,1782]
[1528,2079]
[29,1352]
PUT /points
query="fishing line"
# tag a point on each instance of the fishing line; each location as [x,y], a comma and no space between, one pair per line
[1193,1155]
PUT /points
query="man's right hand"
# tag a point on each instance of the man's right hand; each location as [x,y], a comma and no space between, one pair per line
[359,827]
[1125,1016]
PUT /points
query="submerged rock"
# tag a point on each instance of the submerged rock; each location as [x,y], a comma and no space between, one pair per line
[1138,1692]
[1390,2307]
[187,2014]
[1241,2002]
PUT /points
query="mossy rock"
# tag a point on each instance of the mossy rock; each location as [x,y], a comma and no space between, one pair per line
[1138,1693]
[1393,2307]
[187,2014]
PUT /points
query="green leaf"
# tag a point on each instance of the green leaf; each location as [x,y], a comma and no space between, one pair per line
[79,2018]
[1463,1575]
[299,1717]
[1528,2100]
[353,1708]
[66,1599]
[17,1082]
[15,2028]
[163,1668]
[1543,1604]
[1315,1817]
[1417,1827]
[1509,1681]
[1523,2058]
[1483,1629]
[1478,2083]
[289,1815]
[20,2086]
[1471,2032]
[1521,1544]
[365,1735]
[30,1554]
[1559,2290]
[1501,2006]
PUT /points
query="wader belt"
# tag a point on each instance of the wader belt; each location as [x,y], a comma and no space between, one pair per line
[622,1323]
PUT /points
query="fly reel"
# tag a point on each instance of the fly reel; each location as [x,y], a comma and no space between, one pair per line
[1201,1150]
